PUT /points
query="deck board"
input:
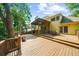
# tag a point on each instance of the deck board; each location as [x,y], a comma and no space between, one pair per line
[43,47]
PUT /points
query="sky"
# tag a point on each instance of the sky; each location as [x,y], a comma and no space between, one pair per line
[47,9]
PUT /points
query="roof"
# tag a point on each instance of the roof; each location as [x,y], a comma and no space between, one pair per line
[47,18]
[69,17]
[39,21]
[73,18]
[52,15]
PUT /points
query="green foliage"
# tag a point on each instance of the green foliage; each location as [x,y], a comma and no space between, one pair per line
[74,7]
[3,33]
[75,13]
[1,6]
[21,17]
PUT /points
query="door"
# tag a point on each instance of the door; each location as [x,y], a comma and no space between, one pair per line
[61,29]
[65,29]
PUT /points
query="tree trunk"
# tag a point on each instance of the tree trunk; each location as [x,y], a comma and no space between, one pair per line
[9,21]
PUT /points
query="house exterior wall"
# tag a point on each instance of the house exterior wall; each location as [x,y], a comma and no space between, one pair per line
[54,26]
[72,28]
[61,22]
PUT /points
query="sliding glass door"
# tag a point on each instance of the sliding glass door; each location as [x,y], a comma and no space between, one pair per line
[64,29]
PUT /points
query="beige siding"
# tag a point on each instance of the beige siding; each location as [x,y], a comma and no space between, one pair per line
[54,26]
[72,29]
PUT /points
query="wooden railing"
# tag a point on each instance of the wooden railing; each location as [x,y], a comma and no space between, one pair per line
[77,33]
[2,47]
[10,45]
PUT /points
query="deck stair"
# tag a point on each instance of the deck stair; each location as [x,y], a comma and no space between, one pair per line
[71,44]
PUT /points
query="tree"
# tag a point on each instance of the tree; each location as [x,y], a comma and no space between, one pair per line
[74,7]
[7,19]
[21,14]
[15,17]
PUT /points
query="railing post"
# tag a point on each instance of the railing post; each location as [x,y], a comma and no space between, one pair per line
[78,34]
[2,48]
[10,45]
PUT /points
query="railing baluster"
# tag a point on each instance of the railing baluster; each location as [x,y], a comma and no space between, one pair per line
[10,46]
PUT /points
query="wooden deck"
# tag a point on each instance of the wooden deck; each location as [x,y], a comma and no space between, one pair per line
[38,46]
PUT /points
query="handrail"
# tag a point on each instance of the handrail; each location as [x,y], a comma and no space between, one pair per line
[10,45]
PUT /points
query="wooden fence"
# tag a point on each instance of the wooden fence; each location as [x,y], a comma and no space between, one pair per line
[10,45]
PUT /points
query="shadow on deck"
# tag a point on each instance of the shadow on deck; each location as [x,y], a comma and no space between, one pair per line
[30,37]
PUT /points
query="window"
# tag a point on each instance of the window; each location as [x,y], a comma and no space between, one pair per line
[53,19]
[57,18]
